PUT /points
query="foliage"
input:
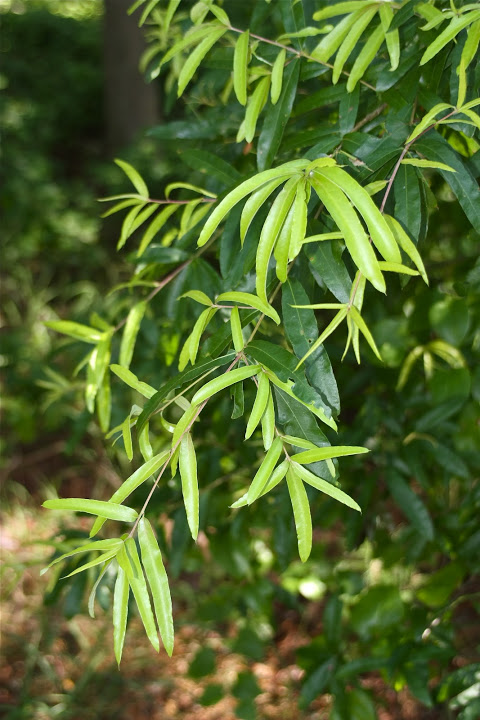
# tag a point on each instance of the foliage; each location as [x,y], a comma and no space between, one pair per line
[324,199]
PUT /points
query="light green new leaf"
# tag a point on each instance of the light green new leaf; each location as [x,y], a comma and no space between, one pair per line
[264,471]
[341,8]
[397,268]
[132,381]
[104,558]
[184,356]
[195,58]
[188,186]
[75,330]
[104,403]
[365,57]
[120,612]
[337,320]
[108,510]
[351,39]
[109,544]
[140,591]
[252,301]
[220,383]
[131,484]
[275,478]
[474,118]
[268,422]
[428,119]
[391,36]
[255,106]
[158,581]
[470,48]
[194,35]
[299,442]
[299,221]
[349,225]
[287,388]
[93,591]
[270,231]
[255,202]
[277,76]
[282,246]
[240,64]
[259,405]
[127,437]
[128,223]
[244,189]
[236,326]
[197,332]
[331,42]
[322,453]
[421,163]
[301,513]
[183,425]
[188,473]
[155,226]
[144,443]
[451,31]
[382,236]
[134,177]
[121,206]
[130,333]
[198,296]
[362,326]
[326,487]
[407,245]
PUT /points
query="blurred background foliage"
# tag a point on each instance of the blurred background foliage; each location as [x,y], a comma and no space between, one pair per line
[384,616]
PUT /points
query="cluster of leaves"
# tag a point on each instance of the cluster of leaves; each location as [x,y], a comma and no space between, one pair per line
[269,236]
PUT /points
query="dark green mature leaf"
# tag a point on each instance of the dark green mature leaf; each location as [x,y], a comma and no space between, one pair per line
[277,117]
[328,267]
[302,331]
[187,376]
[408,200]
[462,182]
[211,165]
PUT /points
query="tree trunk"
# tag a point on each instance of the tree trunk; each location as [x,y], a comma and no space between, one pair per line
[131,105]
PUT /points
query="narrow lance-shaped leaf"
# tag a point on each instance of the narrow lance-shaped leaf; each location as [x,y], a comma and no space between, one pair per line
[139,589]
[103,509]
[105,557]
[301,513]
[251,300]
[195,58]
[220,383]
[188,473]
[144,443]
[240,63]
[339,317]
[299,221]
[110,544]
[365,57]
[127,437]
[268,422]
[197,332]
[104,403]
[199,296]
[265,470]
[120,612]
[431,164]
[326,487]
[134,177]
[93,592]
[256,200]
[391,36]
[259,405]
[277,76]
[255,106]
[275,478]
[362,326]
[132,381]
[331,42]
[322,453]
[351,39]
[131,484]
[269,234]
[407,245]
[237,335]
[428,120]
[130,333]
[75,330]
[282,246]
[158,581]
